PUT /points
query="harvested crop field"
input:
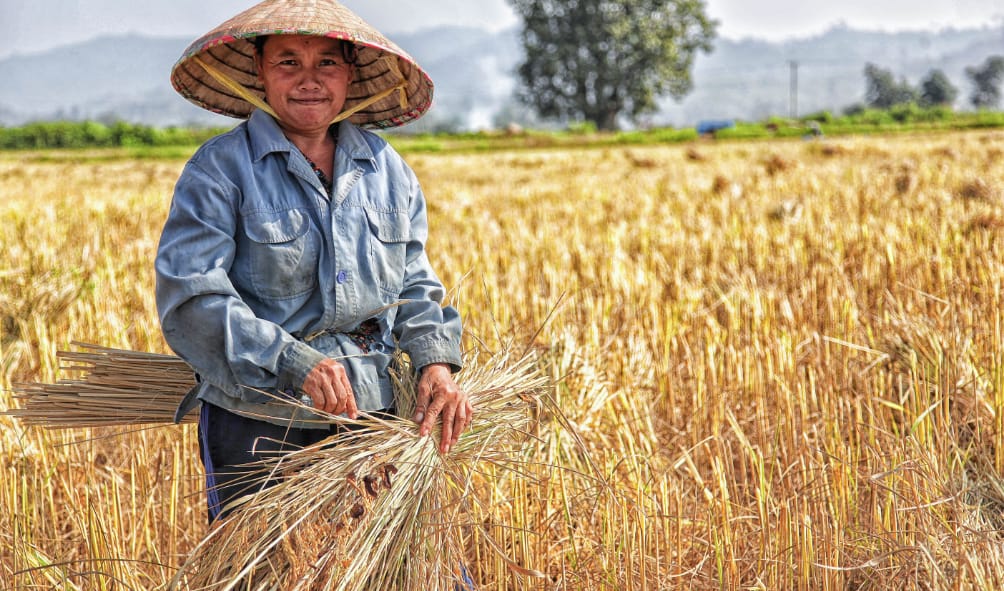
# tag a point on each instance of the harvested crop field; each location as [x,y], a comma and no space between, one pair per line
[780,365]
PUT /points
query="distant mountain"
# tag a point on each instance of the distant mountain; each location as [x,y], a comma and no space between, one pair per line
[126,77]
[751,80]
[115,77]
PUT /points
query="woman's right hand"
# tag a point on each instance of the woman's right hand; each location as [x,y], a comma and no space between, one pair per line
[329,388]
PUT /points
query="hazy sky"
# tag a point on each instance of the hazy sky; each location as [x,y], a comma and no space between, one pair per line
[28,26]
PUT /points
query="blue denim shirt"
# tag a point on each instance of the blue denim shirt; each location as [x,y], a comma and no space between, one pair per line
[260,274]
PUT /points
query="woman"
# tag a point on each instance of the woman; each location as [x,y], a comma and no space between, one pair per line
[292,263]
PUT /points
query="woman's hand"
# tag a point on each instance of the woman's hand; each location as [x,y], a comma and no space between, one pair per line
[329,388]
[439,395]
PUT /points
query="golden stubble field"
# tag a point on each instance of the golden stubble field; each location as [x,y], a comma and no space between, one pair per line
[781,363]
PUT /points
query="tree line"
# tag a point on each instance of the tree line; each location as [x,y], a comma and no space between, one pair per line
[884,91]
[47,135]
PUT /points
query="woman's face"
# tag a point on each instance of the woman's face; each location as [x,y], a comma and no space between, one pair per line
[306,80]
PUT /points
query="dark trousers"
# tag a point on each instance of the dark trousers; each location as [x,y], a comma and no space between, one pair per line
[229,441]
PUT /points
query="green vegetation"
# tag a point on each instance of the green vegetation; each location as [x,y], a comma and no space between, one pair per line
[76,141]
[47,135]
[905,118]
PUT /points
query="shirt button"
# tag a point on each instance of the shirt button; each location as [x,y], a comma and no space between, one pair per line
[340,278]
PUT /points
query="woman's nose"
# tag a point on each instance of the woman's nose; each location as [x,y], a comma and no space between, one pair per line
[310,79]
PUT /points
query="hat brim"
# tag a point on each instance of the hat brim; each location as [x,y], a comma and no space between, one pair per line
[229,49]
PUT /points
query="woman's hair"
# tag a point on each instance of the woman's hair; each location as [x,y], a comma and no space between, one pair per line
[350,52]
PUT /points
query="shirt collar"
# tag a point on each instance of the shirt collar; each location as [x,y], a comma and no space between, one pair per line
[267,137]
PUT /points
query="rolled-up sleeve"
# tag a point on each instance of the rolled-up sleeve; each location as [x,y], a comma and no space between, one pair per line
[428,331]
[202,315]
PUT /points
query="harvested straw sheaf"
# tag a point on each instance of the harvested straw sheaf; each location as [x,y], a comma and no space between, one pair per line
[377,507]
[115,387]
[374,507]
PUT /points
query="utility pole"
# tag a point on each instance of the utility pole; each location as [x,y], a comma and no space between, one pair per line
[793,91]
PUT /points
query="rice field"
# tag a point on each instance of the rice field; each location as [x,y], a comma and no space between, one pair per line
[778,365]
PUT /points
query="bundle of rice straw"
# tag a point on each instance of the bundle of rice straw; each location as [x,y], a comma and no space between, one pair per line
[372,508]
[377,508]
[117,387]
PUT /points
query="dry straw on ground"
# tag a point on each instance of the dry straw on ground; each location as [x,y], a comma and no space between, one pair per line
[809,402]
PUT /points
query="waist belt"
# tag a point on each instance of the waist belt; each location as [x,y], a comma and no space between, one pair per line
[366,336]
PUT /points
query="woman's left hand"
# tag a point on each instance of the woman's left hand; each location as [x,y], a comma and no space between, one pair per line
[439,395]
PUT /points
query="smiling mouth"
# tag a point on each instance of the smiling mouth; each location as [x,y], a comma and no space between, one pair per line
[312,101]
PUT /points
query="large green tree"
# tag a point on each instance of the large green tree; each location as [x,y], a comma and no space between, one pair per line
[600,60]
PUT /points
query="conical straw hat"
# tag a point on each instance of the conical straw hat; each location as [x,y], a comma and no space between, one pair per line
[217,71]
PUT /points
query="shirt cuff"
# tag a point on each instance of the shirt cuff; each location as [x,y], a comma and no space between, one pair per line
[296,363]
[428,351]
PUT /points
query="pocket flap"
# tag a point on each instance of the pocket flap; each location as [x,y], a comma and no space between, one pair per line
[389,226]
[275,227]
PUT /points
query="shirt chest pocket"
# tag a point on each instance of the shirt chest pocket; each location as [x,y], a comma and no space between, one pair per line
[281,253]
[390,232]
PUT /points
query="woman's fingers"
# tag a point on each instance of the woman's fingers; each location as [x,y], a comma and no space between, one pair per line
[329,389]
[448,439]
[431,414]
[440,397]
[350,399]
[460,420]
[422,401]
[329,398]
